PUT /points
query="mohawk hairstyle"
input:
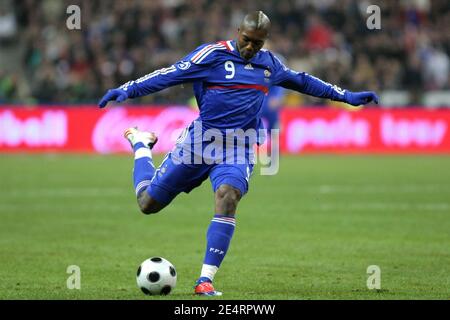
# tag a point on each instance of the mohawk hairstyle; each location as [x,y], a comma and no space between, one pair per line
[256,20]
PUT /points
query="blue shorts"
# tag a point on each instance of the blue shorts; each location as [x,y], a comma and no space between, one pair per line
[173,177]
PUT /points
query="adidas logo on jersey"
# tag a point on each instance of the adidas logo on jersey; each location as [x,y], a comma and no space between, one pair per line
[248,66]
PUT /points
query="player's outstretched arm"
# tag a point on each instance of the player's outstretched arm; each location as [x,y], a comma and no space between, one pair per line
[310,85]
[118,95]
[193,67]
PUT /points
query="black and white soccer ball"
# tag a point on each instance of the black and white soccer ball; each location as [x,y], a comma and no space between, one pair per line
[156,276]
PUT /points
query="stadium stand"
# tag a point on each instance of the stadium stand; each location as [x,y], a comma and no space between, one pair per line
[407,61]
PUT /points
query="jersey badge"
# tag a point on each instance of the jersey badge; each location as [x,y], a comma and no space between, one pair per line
[183,65]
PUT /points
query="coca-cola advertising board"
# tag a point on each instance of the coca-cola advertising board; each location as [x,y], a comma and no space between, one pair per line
[88,128]
[303,130]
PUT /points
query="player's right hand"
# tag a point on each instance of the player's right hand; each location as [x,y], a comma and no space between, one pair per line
[114,94]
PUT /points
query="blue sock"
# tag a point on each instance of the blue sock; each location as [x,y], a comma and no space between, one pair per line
[218,240]
[143,167]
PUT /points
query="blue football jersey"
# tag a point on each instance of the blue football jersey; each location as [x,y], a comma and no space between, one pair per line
[229,89]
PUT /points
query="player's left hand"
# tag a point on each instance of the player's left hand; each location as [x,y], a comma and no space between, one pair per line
[114,94]
[359,98]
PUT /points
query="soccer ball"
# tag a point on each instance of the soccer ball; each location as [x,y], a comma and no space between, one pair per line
[156,276]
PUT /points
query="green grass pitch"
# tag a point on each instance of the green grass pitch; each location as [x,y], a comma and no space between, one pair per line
[309,232]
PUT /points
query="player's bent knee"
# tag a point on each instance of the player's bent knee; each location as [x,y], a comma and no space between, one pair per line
[228,193]
[227,199]
[147,204]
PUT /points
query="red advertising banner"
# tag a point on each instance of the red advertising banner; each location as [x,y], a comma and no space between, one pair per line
[89,129]
[365,131]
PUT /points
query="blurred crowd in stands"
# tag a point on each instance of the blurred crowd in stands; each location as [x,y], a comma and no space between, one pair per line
[121,40]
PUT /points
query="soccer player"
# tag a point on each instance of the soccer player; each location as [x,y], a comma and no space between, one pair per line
[231,79]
